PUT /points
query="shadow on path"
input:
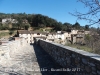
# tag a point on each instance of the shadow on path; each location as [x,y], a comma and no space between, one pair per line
[45,62]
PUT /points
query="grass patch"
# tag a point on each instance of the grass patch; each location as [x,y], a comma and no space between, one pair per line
[85,48]
[7,34]
[4,34]
[43,29]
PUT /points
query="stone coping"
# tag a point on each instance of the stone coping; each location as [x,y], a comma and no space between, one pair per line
[81,52]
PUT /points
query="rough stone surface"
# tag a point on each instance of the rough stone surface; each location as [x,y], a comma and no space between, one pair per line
[28,60]
[84,62]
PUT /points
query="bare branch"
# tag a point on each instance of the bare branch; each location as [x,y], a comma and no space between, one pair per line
[93,14]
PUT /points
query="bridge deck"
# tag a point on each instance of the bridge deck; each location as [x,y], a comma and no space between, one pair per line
[30,60]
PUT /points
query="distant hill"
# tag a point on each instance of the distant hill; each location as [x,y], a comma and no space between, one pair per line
[36,20]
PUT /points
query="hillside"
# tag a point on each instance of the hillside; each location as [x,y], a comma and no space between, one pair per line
[24,21]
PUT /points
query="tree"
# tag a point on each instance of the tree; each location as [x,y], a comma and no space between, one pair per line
[98,30]
[20,22]
[93,13]
[92,42]
[68,25]
[86,27]
[76,25]
[0,19]
[27,26]
[92,16]
[58,27]
[11,32]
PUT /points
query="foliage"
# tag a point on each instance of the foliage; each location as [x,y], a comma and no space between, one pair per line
[4,27]
[11,32]
[76,25]
[86,27]
[38,20]
[68,25]
[86,48]
[93,42]
[3,34]
[98,30]
[27,26]
[87,37]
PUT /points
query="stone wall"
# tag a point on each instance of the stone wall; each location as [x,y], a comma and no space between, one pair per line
[78,62]
[16,45]
[10,47]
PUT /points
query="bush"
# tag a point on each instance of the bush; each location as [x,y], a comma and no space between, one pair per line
[4,27]
[11,32]
[26,27]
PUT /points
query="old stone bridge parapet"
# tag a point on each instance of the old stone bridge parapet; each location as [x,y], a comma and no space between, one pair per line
[78,62]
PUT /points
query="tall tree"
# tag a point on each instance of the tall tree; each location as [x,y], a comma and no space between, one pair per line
[76,25]
[86,27]
[68,25]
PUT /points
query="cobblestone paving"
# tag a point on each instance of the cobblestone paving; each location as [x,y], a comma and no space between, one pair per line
[30,60]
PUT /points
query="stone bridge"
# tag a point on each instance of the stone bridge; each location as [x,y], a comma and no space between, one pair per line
[47,58]
[74,61]
[17,59]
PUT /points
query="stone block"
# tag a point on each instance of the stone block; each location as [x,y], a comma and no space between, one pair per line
[73,57]
[84,61]
[77,61]
[91,64]
[88,69]
[94,68]
[98,72]
[98,66]
[93,73]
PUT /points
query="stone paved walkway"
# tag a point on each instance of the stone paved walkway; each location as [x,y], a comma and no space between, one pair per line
[30,60]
